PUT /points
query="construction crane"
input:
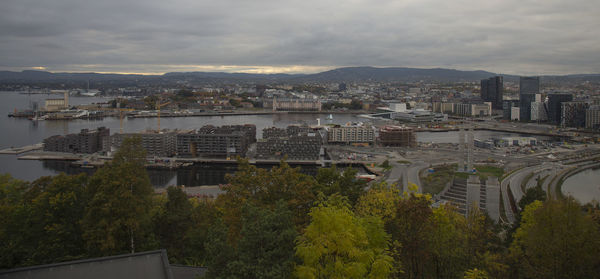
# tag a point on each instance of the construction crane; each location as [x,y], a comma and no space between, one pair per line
[121,110]
[158,106]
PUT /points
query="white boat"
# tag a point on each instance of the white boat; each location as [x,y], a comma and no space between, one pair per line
[329,117]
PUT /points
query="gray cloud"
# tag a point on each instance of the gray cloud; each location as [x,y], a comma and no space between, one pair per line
[520,37]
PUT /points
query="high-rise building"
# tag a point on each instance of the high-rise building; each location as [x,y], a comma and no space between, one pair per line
[525,101]
[573,114]
[592,117]
[492,90]
[554,106]
[529,85]
[507,106]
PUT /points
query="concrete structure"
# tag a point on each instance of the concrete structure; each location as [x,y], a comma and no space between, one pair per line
[592,117]
[56,104]
[156,144]
[146,265]
[397,136]
[492,91]
[555,108]
[515,113]
[85,141]
[492,198]
[296,104]
[473,193]
[573,114]
[211,141]
[351,134]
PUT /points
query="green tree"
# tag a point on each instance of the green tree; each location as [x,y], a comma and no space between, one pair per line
[330,181]
[56,212]
[337,244]
[205,214]
[264,188]
[266,249]
[556,239]
[174,222]
[532,194]
[380,201]
[14,222]
[117,218]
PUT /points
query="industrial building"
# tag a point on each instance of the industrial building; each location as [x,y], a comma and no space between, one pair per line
[296,104]
[211,141]
[56,104]
[351,134]
[161,144]
[397,136]
[85,141]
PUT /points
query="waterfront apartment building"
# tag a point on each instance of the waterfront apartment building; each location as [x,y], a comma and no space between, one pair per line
[86,141]
[492,91]
[220,142]
[157,144]
[296,104]
[351,134]
[397,136]
[296,142]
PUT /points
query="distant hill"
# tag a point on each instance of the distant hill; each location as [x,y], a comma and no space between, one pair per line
[348,74]
[396,74]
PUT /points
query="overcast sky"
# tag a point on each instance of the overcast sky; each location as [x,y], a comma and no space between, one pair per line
[305,36]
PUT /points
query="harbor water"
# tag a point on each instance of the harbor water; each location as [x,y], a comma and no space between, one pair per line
[17,132]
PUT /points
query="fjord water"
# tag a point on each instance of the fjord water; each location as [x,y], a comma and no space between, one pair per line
[18,132]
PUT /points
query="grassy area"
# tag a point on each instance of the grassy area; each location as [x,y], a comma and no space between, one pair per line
[435,182]
[487,170]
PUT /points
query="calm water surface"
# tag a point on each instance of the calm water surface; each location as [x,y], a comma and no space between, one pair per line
[583,186]
[21,131]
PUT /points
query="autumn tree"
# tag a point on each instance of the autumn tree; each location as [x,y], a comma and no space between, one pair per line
[330,181]
[338,244]
[556,239]
[173,222]
[117,218]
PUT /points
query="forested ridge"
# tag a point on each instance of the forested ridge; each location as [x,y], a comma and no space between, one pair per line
[280,223]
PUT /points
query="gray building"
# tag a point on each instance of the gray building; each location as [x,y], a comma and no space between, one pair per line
[161,144]
[507,106]
[529,85]
[525,101]
[592,117]
[296,142]
[86,141]
[492,90]
[221,142]
[573,114]
[554,106]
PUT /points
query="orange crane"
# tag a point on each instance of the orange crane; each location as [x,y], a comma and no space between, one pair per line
[158,106]
[121,110]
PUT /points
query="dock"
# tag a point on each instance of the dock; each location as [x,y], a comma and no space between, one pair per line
[20,150]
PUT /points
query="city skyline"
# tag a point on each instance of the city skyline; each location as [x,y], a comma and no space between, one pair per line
[508,37]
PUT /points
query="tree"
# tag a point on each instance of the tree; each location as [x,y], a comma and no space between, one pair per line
[266,248]
[174,222]
[380,201]
[330,181]
[556,239]
[120,197]
[532,194]
[14,212]
[263,188]
[338,244]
